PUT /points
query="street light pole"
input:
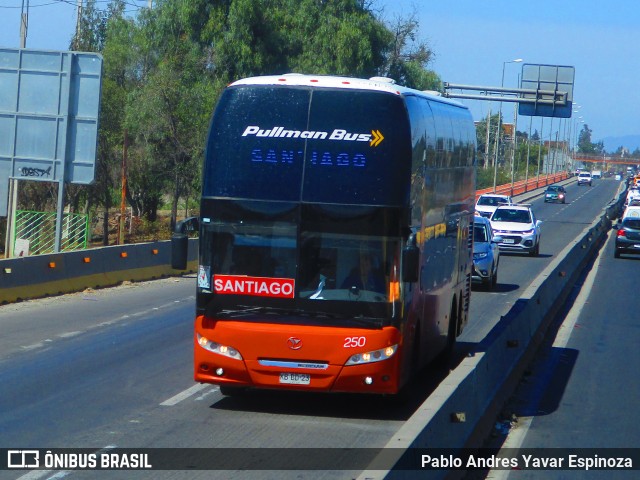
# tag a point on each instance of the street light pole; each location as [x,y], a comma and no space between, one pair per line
[515,143]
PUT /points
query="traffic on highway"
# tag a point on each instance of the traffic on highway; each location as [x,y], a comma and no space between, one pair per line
[112,368]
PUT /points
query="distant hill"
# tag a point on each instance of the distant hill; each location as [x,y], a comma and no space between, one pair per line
[630,142]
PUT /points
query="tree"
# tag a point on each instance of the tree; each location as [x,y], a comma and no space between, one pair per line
[339,37]
[481,138]
[536,136]
[168,110]
[165,68]
[92,29]
[407,58]
[114,42]
[585,145]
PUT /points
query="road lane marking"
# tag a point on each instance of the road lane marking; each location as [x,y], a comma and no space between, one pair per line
[71,334]
[205,394]
[36,474]
[184,394]
[60,474]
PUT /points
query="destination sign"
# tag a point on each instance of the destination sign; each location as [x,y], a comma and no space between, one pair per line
[254,286]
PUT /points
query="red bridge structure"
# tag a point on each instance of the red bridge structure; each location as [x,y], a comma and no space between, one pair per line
[606,160]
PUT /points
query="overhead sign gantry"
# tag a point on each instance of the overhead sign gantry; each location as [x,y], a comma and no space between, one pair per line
[545,91]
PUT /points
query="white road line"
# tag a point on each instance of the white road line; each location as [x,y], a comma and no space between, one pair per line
[70,334]
[185,394]
[36,474]
[516,436]
[60,474]
[201,397]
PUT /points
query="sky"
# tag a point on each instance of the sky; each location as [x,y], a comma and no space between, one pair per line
[472,40]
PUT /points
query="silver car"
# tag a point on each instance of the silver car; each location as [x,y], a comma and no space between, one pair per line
[486,254]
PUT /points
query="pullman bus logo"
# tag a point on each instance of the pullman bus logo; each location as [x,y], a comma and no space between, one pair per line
[374,138]
[294,343]
[377,138]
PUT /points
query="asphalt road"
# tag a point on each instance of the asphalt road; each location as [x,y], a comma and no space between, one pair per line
[582,389]
[114,368]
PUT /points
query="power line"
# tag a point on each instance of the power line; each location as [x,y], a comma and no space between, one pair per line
[72,3]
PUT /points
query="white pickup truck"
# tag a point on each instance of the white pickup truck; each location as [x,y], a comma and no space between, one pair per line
[584,178]
[596,174]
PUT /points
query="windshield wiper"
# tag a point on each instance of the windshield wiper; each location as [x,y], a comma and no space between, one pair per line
[316,294]
[283,311]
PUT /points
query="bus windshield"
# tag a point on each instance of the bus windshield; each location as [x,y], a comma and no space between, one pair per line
[275,264]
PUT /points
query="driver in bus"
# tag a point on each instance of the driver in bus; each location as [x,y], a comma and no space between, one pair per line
[365,276]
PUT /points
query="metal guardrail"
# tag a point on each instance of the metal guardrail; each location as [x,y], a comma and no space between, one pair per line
[518,188]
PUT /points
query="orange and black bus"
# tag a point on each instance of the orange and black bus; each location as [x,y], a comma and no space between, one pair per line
[334,250]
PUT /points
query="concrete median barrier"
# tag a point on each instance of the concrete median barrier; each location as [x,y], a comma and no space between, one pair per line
[43,275]
[462,410]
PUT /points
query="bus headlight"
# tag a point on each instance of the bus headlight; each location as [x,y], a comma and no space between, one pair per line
[214,347]
[374,356]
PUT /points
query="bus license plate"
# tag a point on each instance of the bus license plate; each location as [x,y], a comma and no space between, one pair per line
[295,378]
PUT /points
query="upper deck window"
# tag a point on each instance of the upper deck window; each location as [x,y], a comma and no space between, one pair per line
[300,144]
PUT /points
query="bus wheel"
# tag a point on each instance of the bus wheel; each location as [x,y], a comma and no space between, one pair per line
[452,333]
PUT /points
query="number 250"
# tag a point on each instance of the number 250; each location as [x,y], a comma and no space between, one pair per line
[353,342]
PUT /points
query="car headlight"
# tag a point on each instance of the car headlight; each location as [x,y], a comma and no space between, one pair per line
[374,356]
[479,255]
[214,347]
[529,232]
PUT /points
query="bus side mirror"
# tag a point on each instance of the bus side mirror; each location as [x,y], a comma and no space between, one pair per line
[179,251]
[410,261]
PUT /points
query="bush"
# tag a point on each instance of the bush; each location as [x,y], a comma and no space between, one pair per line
[484,177]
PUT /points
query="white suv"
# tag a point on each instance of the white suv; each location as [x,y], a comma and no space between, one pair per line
[518,228]
[584,178]
[487,203]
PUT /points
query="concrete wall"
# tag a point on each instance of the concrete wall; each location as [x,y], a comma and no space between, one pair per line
[478,388]
[53,274]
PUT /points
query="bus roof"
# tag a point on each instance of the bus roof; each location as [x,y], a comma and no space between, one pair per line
[381,84]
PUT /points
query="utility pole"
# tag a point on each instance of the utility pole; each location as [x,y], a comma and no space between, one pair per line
[526,173]
[123,196]
[515,144]
[78,23]
[24,25]
[486,143]
[540,145]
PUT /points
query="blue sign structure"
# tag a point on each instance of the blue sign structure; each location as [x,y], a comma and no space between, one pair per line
[550,81]
[49,107]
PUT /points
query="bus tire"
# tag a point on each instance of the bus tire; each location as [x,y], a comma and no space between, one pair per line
[452,332]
